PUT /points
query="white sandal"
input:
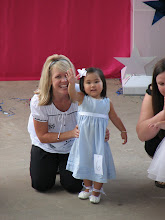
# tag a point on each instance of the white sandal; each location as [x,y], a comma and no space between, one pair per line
[84,194]
[96,199]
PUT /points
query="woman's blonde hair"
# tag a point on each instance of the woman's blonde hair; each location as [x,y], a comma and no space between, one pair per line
[44,91]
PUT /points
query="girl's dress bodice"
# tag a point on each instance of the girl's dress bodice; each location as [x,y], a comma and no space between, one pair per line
[90,156]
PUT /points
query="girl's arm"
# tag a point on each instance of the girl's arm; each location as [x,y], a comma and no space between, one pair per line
[41,129]
[144,130]
[74,95]
[118,123]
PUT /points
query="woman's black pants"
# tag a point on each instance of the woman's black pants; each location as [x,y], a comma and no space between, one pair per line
[43,170]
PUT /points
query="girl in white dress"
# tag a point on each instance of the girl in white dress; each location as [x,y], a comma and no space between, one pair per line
[90,158]
[156,170]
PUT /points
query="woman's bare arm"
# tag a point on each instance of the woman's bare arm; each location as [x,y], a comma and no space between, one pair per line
[44,136]
[144,131]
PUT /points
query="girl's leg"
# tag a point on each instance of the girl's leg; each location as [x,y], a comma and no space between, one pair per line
[87,183]
[97,189]
[97,186]
[88,190]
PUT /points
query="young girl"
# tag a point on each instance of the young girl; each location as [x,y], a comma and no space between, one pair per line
[156,170]
[90,158]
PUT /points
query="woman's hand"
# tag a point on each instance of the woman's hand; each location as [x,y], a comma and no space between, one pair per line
[107,135]
[76,132]
[158,125]
[147,118]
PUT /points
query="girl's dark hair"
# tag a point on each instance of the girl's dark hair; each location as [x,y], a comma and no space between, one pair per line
[157,97]
[102,77]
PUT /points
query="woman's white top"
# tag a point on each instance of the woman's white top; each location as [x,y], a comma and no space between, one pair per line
[57,122]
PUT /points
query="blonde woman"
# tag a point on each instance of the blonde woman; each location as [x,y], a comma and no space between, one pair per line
[52,127]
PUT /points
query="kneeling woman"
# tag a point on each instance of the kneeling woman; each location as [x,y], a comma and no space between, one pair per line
[152,112]
[52,127]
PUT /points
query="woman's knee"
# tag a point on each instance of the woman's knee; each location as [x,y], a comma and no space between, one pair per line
[41,181]
[43,167]
[41,186]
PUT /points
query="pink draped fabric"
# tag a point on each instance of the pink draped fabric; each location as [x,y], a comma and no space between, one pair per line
[89,32]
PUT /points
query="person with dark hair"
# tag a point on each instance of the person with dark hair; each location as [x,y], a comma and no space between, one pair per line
[152,112]
[90,157]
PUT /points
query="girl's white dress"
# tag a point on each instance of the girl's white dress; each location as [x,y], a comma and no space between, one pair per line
[156,170]
[90,156]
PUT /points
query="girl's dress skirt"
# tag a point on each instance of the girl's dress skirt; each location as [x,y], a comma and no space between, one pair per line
[156,170]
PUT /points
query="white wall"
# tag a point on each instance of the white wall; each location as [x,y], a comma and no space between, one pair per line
[148,38]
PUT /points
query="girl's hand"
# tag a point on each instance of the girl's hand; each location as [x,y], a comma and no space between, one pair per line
[72,79]
[124,137]
[107,135]
[76,132]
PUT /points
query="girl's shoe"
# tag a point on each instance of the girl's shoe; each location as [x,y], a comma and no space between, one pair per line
[160,184]
[96,199]
[84,194]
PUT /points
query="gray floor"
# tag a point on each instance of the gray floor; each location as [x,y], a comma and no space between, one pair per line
[132,196]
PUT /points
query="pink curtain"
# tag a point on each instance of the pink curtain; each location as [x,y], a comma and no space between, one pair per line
[89,32]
